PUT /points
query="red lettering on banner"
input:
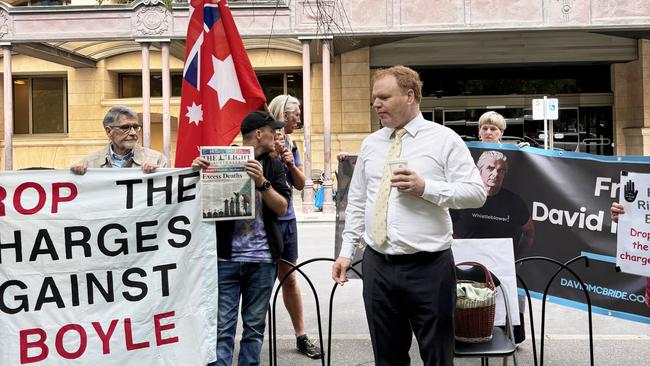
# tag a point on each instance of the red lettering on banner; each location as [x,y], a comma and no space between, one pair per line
[3,195]
[128,336]
[25,345]
[19,191]
[83,341]
[105,337]
[61,192]
[38,341]
[57,197]
[159,328]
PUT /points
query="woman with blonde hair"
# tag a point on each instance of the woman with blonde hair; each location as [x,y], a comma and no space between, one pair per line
[491,126]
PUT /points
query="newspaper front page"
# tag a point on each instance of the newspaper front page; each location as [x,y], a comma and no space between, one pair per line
[228,192]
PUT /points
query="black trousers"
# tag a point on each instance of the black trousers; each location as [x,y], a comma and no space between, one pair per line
[406,295]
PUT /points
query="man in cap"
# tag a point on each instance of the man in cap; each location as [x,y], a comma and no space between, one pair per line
[248,249]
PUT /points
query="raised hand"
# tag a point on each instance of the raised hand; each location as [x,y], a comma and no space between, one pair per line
[629,193]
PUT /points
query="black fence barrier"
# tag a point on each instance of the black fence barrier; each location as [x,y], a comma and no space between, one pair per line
[561,267]
[273,354]
[273,357]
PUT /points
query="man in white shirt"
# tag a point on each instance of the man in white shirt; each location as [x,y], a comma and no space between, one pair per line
[409,283]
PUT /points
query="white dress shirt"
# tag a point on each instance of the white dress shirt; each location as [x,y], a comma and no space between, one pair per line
[415,224]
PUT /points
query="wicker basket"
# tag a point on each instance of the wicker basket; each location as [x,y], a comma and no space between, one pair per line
[474,319]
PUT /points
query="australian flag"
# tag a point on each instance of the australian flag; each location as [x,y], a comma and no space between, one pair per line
[219,84]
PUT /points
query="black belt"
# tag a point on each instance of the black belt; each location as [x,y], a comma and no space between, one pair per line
[407,258]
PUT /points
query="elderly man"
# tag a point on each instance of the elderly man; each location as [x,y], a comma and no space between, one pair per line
[122,127]
[409,283]
[248,249]
[504,215]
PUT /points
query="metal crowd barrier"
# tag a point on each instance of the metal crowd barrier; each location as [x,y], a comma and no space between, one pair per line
[273,354]
[273,357]
[562,267]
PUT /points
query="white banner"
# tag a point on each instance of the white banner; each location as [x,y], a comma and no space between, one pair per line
[633,237]
[114,267]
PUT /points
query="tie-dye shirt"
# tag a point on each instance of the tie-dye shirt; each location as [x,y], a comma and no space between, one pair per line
[249,241]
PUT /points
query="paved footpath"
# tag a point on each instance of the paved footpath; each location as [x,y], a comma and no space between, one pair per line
[616,341]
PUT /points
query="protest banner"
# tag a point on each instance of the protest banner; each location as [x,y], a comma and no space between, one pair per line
[105,269]
[568,196]
[633,239]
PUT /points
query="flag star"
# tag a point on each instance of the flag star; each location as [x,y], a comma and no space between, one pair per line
[195,113]
[224,81]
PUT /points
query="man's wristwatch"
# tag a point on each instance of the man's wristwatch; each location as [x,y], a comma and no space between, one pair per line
[264,187]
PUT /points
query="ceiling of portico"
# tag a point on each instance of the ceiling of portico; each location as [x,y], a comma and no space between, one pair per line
[491,48]
[99,50]
[88,53]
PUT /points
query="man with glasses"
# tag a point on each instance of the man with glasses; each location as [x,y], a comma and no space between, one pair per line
[122,128]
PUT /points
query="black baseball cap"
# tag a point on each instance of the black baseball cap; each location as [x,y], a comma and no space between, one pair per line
[259,119]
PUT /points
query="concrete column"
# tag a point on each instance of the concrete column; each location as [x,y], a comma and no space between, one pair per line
[328,203]
[146,95]
[8,108]
[632,104]
[166,95]
[308,191]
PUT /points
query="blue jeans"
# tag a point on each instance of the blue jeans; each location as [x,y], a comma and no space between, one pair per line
[253,282]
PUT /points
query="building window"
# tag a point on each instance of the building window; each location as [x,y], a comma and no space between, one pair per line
[40,105]
[41,2]
[131,85]
[546,80]
[274,84]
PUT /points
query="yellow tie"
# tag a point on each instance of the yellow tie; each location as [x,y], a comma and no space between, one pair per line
[379,224]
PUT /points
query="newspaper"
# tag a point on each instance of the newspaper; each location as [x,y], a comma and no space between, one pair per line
[227,191]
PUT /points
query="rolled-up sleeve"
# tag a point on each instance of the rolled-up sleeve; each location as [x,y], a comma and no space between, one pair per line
[356,209]
[462,187]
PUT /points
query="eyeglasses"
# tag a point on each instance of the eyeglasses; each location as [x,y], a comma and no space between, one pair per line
[124,129]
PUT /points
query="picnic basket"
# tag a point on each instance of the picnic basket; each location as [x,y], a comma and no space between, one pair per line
[474,319]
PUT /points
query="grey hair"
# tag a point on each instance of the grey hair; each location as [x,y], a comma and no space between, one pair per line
[115,112]
[283,101]
[492,118]
[494,155]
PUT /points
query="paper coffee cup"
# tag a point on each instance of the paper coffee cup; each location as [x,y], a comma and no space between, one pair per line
[397,164]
